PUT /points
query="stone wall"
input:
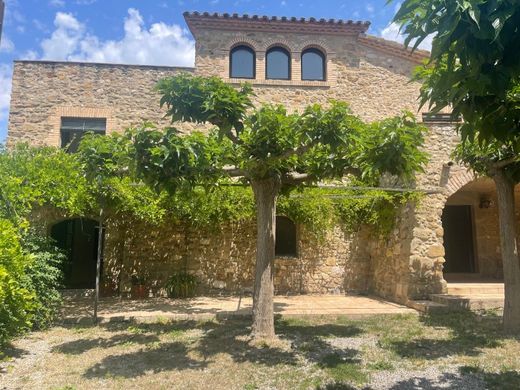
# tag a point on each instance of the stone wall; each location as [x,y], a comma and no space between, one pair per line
[375,83]
[223,260]
[43,92]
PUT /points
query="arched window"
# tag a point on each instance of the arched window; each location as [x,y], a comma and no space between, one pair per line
[313,65]
[242,62]
[285,244]
[278,64]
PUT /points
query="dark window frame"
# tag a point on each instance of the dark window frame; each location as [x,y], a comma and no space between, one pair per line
[289,60]
[72,128]
[287,249]
[250,50]
[323,56]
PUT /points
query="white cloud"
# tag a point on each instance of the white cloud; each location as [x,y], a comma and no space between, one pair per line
[57,3]
[64,39]
[29,55]
[160,44]
[6,45]
[5,93]
[391,32]
[370,8]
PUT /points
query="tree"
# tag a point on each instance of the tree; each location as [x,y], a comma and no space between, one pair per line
[500,161]
[272,151]
[474,69]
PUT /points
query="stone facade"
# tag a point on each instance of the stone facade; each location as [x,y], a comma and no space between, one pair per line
[371,74]
[44,92]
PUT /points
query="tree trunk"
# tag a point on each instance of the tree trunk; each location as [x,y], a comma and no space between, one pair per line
[509,247]
[266,192]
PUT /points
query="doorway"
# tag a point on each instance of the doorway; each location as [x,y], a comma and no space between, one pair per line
[78,238]
[459,244]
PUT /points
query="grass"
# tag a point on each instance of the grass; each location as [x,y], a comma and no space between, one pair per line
[313,353]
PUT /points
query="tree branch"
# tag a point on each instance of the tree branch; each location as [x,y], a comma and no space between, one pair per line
[295,151]
[234,172]
[294,178]
[234,138]
[505,163]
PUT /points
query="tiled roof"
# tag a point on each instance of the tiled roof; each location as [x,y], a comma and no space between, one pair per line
[235,22]
[395,48]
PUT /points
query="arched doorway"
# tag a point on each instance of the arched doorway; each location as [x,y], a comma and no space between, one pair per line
[471,233]
[78,237]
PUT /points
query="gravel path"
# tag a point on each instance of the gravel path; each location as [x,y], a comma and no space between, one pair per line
[431,378]
[26,355]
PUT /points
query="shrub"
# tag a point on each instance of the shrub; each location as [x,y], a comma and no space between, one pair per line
[17,301]
[46,277]
[181,285]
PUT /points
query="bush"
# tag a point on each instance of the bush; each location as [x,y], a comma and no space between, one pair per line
[17,300]
[181,285]
[30,276]
[46,277]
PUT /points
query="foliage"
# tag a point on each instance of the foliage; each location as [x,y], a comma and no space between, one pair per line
[181,285]
[320,209]
[107,165]
[17,301]
[34,176]
[29,265]
[481,157]
[267,141]
[474,67]
[45,277]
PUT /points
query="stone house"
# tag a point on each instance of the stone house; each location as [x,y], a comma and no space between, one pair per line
[452,232]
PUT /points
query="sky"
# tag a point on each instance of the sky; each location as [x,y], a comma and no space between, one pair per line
[149,32]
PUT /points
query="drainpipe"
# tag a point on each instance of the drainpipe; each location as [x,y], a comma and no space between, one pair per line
[98,264]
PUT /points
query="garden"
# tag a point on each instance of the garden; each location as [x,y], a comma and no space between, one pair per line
[462,351]
[249,165]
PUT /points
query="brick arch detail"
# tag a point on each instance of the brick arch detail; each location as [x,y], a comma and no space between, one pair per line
[459,180]
[319,44]
[242,40]
[281,43]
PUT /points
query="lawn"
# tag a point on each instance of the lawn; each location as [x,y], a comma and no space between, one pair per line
[461,350]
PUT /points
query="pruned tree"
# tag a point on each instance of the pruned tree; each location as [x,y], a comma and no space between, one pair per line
[271,150]
[474,69]
[501,161]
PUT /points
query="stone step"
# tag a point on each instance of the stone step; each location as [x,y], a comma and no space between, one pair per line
[475,288]
[470,302]
[425,306]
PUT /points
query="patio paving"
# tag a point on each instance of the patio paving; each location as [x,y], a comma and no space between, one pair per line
[78,310]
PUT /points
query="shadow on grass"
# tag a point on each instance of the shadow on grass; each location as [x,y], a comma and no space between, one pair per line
[466,378]
[78,347]
[167,357]
[230,337]
[9,352]
[470,332]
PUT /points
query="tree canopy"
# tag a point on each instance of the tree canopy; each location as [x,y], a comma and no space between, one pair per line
[474,67]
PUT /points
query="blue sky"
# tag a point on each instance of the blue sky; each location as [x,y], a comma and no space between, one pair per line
[145,31]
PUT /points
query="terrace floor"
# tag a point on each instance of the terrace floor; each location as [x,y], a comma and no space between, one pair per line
[78,310]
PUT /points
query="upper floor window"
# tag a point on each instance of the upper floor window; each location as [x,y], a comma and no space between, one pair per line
[242,63]
[278,64]
[313,65]
[285,244]
[73,129]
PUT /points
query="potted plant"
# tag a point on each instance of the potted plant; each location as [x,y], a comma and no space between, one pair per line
[139,289]
[108,287]
[181,285]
